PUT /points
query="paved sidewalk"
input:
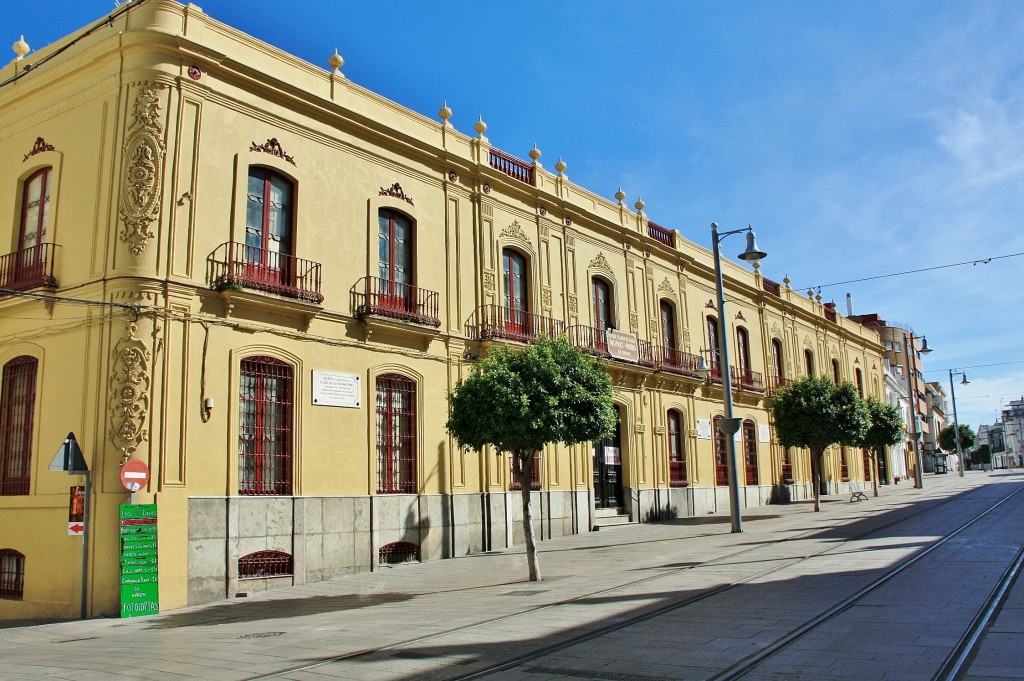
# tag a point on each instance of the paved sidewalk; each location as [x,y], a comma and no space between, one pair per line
[443,617]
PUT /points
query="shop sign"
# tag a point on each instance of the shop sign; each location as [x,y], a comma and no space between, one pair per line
[140,584]
[622,346]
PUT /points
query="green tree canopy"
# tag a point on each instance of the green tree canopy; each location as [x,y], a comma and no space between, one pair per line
[816,413]
[967,438]
[519,400]
[982,455]
[885,429]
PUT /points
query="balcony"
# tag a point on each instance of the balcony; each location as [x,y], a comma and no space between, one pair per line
[385,298]
[237,265]
[779,382]
[746,379]
[771,287]
[29,268]
[590,340]
[511,166]
[830,312]
[676,361]
[495,321]
[660,234]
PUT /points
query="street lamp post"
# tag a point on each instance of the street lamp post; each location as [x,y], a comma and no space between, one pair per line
[908,339]
[956,423]
[730,425]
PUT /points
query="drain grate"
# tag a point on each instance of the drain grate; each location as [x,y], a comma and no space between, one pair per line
[523,593]
[262,634]
[432,657]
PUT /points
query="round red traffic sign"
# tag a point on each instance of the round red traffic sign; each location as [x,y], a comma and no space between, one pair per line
[134,475]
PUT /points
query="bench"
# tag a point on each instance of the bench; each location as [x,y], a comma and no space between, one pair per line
[857,492]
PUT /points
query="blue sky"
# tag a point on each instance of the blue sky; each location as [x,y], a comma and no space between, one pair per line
[859,138]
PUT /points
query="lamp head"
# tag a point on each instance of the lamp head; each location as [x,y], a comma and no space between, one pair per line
[924,346]
[702,367]
[752,252]
[965,381]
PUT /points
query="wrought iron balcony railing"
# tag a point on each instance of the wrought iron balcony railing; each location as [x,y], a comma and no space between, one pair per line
[29,268]
[385,298]
[747,380]
[496,321]
[659,233]
[511,166]
[590,340]
[678,362]
[252,267]
[771,287]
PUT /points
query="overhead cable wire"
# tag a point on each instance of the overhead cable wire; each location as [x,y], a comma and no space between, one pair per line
[979,261]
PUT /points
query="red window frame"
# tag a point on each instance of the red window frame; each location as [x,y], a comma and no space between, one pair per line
[261,262]
[721,453]
[780,369]
[12,574]
[30,260]
[396,434]
[809,362]
[835,372]
[714,346]
[750,451]
[668,324]
[867,465]
[859,376]
[266,387]
[17,414]
[395,261]
[516,291]
[678,476]
[535,483]
[743,351]
[844,465]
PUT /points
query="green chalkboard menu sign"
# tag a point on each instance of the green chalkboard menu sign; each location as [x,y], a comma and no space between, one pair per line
[140,588]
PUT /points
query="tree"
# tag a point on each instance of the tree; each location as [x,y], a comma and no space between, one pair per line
[519,400]
[885,429]
[948,442]
[816,413]
[982,455]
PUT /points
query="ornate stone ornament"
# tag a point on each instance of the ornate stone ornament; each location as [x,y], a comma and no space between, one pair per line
[666,287]
[545,296]
[573,305]
[129,393]
[139,204]
[653,327]
[489,282]
[274,148]
[515,231]
[395,191]
[39,147]
[600,263]
[634,323]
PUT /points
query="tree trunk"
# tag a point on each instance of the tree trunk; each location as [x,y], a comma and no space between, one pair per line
[874,465]
[816,478]
[523,469]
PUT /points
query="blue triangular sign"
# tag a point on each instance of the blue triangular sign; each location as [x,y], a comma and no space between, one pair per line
[69,458]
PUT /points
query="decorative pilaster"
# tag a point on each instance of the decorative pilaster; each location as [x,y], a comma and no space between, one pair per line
[139,204]
[129,393]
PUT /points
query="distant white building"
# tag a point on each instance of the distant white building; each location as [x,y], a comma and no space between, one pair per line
[896,393]
[1013,432]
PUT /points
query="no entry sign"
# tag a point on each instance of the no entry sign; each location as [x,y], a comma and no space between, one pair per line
[134,475]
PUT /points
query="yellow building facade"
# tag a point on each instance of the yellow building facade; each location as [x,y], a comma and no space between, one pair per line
[261,280]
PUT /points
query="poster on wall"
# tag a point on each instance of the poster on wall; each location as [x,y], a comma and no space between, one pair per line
[763,435]
[703,429]
[612,456]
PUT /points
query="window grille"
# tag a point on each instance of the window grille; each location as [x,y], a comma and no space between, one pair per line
[17,404]
[721,454]
[514,485]
[12,574]
[396,434]
[750,451]
[263,564]
[676,451]
[398,552]
[265,427]
[844,466]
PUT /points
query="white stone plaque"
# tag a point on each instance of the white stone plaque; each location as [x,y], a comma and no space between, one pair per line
[762,434]
[703,429]
[335,389]
[622,346]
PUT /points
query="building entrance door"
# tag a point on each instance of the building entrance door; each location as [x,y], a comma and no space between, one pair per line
[608,468]
[883,468]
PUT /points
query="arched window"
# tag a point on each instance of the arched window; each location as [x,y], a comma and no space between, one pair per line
[677,473]
[778,364]
[12,574]
[750,451]
[809,362]
[715,347]
[836,377]
[394,258]
[668,324]
[721,454]
[859,377]
[17,409]
[30,262]
[396,434]
[743,353]
[515,291]
[268,228]
[262,564]
[265,427]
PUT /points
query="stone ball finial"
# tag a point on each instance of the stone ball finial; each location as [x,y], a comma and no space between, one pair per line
[335,61]
[20,48]
[786,280]
[620,195]
[480,126]
[639,205]
[756,265]
[818,297]
[560,166]
[810,293]
[535,152]
[444,112]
